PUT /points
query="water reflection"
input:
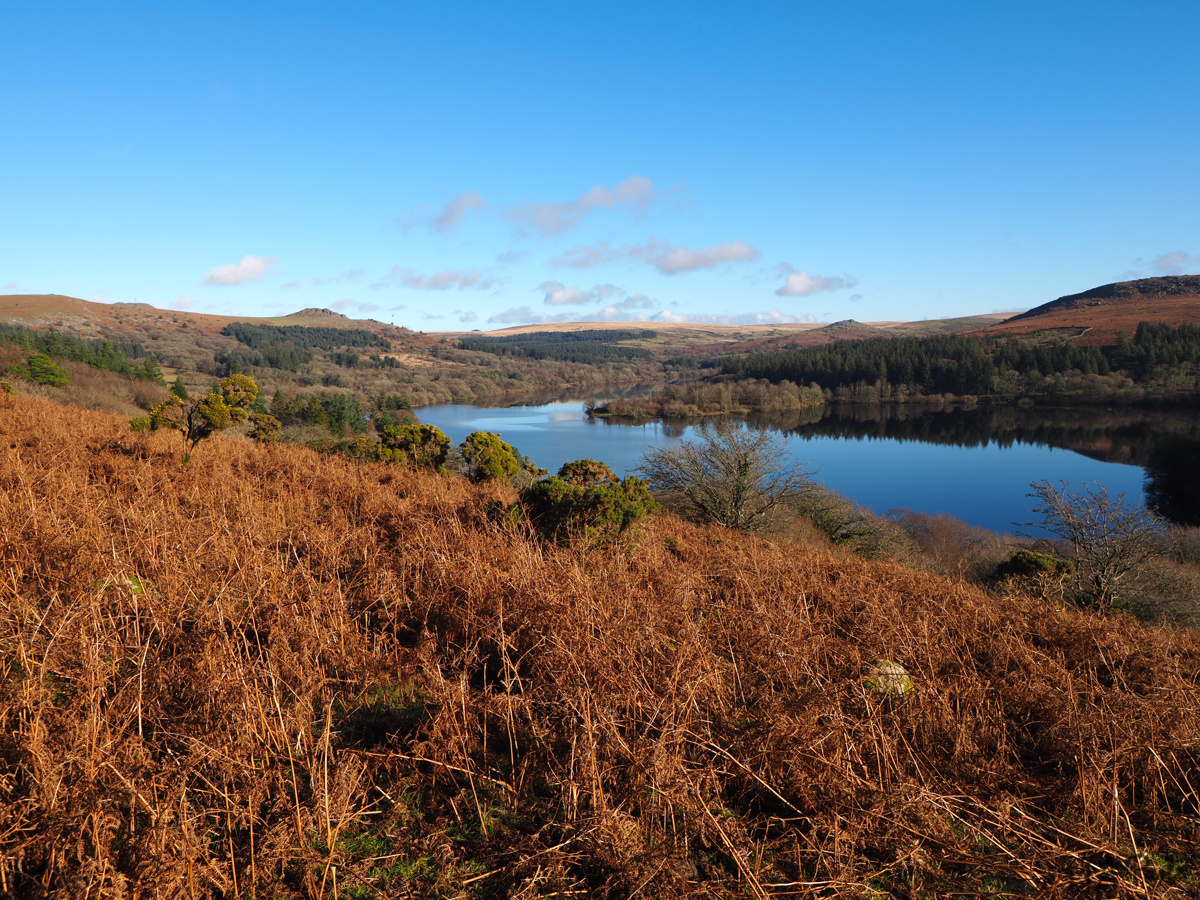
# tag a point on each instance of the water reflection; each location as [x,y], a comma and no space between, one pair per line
[1173,480]
[973,463]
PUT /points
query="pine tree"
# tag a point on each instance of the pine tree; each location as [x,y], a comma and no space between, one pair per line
[151,371]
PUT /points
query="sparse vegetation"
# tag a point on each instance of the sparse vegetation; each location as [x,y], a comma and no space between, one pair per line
[1111,538]
[731,476]
[196,420]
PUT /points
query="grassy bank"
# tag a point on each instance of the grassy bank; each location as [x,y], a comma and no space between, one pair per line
[273,673]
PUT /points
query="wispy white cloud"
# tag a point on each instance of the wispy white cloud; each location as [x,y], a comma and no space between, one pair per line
[665,257]
[517,315]
[558,294]
[290,284]
[352,305]
[429,317]
[466,315]
[251,268]
[770,317]
[634,308]
[547,219]
[1175,263]
[633,301]
[456,210]
[584,256]
[352,277]
[512,256]
[445,280]
[676,260]
[448,217]
[798,283]
[11,286]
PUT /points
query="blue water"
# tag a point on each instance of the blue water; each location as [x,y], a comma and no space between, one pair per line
[984,485]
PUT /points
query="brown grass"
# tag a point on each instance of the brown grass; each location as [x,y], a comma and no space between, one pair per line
[277,674]
[1098,325]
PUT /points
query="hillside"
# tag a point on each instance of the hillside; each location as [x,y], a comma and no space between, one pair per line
[274,673]
[1094,317]
[697,338]
[395,365]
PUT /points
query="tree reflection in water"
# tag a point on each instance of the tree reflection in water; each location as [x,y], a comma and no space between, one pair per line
[1173,480]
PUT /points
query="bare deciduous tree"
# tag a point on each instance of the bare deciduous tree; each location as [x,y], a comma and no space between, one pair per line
[1112,538]
[731,476]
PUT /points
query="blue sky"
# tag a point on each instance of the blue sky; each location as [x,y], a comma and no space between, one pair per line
[462,165]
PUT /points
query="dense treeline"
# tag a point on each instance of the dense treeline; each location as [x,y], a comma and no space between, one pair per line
[981,366]
[306,336]
[1156,345]
[99,354]
[337,412]
[685,401]
[944,364]
[272,356]
[595,345]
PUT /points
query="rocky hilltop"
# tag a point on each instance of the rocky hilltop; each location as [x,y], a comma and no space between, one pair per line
[315,312]
[1121,292]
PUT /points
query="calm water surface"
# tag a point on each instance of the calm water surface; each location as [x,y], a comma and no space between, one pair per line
[976,465]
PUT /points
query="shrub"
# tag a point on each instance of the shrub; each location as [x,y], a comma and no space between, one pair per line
[487,458]
[424,446]
[585,499]
[1112,539]
[196,420]
[41,369]
[951,545]
[362,449]
[267,429]
[846,524]
[1030,564]
[732,477]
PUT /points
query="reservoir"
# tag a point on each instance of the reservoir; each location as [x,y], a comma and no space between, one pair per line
[974,464]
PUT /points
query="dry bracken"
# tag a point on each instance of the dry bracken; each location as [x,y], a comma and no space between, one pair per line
[279,674]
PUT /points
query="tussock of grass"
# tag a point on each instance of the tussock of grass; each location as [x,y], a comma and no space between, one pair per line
[276,673]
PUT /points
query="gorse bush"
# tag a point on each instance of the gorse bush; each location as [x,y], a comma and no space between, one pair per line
[422,446]
[585,499]
[196,420]
[487,458]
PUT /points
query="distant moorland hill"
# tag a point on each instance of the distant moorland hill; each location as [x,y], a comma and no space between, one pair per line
[361,365]
[1096,316]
